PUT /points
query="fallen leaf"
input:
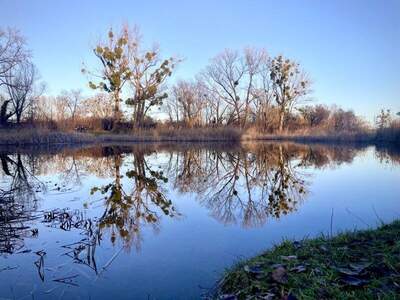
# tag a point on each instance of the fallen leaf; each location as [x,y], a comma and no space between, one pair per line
[289,257]
[275,266]
[318,271]
[359,267]
[353,281]
[280,275]
[227,297]
[253,269]
[268,296]
[346,271]
[298,269]
[323,248]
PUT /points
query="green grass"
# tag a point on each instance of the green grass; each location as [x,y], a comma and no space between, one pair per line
[352,265]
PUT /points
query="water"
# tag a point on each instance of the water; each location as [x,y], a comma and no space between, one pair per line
[164,221]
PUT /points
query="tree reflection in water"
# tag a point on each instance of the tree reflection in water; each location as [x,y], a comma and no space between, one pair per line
[18,202]
[238,184]
[144,204]
[244,185]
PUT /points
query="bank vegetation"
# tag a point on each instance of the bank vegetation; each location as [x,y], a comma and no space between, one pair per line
[245,94]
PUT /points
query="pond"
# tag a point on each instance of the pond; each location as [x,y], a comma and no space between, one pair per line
[162,221]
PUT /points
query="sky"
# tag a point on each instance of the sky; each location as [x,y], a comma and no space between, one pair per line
[350,49]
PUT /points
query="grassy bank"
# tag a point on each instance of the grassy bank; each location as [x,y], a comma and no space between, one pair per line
[352,265]
[42,137]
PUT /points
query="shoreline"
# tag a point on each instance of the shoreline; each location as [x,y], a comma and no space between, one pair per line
[351,265]
[22,137]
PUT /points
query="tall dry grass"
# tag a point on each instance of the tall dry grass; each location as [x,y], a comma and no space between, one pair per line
[206,134]
[312,135]
[45,136]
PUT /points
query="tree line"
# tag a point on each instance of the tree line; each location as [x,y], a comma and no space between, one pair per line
[243,89]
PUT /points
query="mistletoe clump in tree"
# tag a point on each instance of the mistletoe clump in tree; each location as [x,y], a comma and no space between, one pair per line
[289,85]
[124,64]
[149,73]
[115,71]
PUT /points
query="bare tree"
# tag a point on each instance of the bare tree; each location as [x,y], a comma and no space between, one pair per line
[222,77]
[70,101]
[214,106]
[263,110]
[98,106]
[149,73]
[172,109]
[20,82]
[189,102]
[255,62]
[12,52]
[314,115]
[233,78]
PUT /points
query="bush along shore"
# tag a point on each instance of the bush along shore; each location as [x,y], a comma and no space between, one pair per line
[351,265]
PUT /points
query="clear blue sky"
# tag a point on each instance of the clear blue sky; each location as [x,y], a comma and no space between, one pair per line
[351,49]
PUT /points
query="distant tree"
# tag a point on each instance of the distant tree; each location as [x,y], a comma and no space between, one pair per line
[314,115]
[70,101]
[115,72]
[188,101]
[384,119]
[98,106]
[289,85]
[345,121]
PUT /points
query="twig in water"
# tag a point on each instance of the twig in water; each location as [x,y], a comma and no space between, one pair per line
[67,280]
[8,268]
[109,262]
[40,263]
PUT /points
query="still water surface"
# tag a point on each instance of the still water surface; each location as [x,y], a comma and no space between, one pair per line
[163,221]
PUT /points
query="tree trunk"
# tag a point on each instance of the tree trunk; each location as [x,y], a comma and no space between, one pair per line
[139,114]
[3,113]
[117,112]
[281,120]
[18,115]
